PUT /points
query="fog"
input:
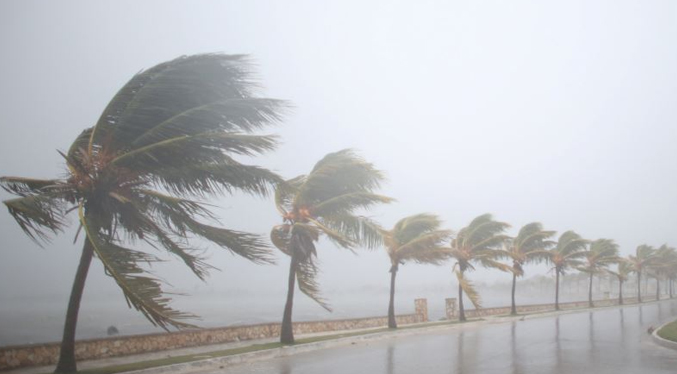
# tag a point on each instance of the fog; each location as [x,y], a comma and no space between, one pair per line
[562,113]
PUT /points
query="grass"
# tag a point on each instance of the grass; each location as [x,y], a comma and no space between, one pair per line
[240,350]
[669,331]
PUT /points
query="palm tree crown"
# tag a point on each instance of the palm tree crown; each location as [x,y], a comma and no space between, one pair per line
[530,245]
[324,203]
[566,254]
[479,242]
[622,274]
[415,238]
[166,140]
[602,253]
[643,257]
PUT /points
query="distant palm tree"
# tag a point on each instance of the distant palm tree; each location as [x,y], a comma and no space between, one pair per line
[622,274]
[530,245]
[602,253]
[644,256]
[165,138]
[415,238]
[324,203]
[566,254]
[663,261]
[479,242]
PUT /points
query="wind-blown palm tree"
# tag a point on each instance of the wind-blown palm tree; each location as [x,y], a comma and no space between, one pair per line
[602,253]
[324,203]
[622,274]
[530,245]
[566,254]
[644,256]
[479,242]
[415,238]
[663,261]
[164,142]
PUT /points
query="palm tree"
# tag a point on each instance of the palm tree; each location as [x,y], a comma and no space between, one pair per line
[324,202]
[643,257]
[566,254]
[164,142]
[530,245]
[623,273]
[479,242]
[415,238]
[602,253]
[663,261]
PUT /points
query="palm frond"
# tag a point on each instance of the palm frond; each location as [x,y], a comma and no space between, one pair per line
[141,291]
[250,246]
[349,202]
[27,186]
[280,236]
[233,114]
[285,194]
[187,94]
[337,174]
[38,215]
[469,290]
[409,228]
[212,178]
[306,273]
[425,255]
[187,150]
[336,237]
[359,229]
[434,239]
[178,216]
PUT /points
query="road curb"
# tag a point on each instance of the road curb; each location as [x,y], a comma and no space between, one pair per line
[663,342]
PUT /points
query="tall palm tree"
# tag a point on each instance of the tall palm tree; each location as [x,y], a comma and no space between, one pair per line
[644,256]
[479,242]
[602,253]
[415,238]
[324,203]
[663,261]
[164,142]
[530,245]
[566,254]
[622,274]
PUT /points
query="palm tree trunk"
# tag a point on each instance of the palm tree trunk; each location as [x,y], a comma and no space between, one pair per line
[513,308]
[287,329]
[590,292]
[620,292]
[557,289]
[658,288]
[639,286]
[461,311]
[66,362]
[392,324]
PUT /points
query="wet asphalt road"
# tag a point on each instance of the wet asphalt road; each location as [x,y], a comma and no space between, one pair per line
[602,341]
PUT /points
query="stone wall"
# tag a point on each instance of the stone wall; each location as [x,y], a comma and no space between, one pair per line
[12,357]
[521,309]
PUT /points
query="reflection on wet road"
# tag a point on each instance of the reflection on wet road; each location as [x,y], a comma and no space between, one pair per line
[602,341]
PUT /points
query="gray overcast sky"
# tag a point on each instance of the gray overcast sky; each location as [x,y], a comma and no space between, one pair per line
[559,112]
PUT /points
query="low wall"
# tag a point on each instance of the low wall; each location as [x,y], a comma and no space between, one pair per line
[473,313]
[12,357]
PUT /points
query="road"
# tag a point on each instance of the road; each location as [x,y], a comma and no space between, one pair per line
[600,341]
